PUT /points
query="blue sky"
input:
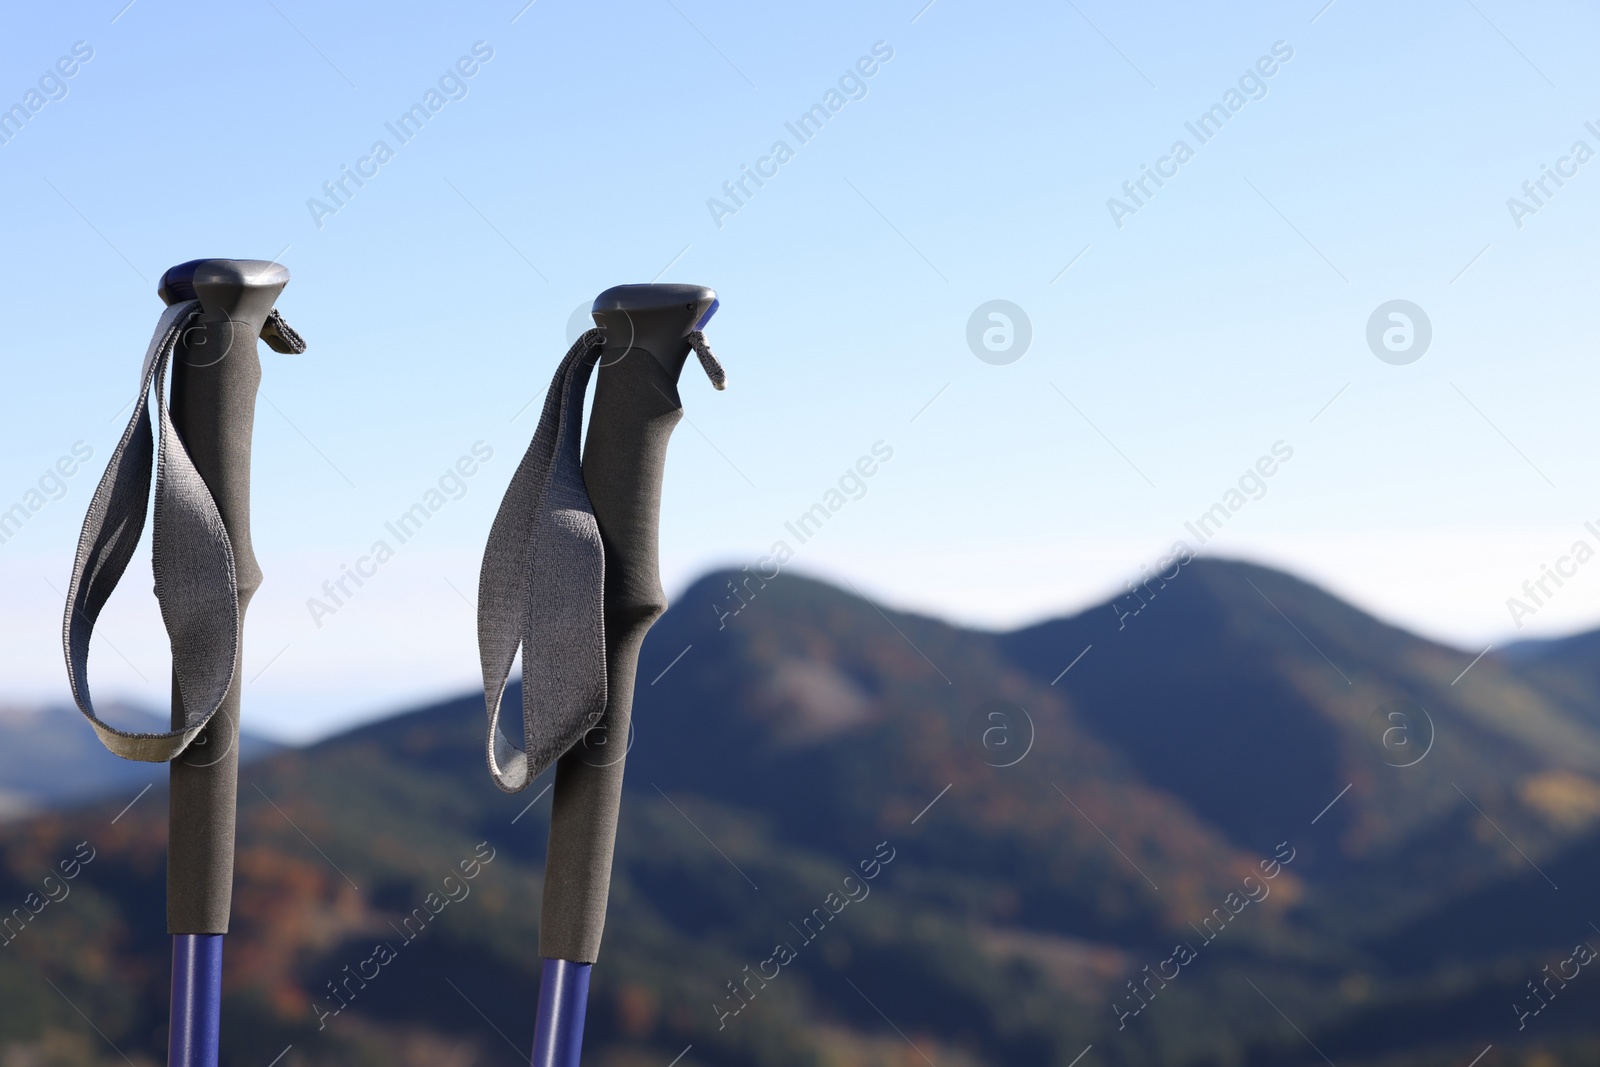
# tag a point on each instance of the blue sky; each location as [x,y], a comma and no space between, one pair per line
[1168,354]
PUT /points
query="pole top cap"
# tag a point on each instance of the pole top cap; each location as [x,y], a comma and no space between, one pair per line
[697,301]
[179,282]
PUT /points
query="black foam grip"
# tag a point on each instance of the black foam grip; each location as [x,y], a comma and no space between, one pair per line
[636,406]
[213,408]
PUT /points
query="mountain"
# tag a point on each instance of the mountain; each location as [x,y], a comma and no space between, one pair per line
[1230,820]
[1566,667]
[41,740]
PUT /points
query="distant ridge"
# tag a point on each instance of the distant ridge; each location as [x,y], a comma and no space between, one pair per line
[50,758]
[1064,804]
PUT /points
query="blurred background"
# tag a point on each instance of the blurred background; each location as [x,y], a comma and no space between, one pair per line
[1224,373]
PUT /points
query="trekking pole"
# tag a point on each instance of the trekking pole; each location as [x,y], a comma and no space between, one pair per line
[571,575]
[205,574]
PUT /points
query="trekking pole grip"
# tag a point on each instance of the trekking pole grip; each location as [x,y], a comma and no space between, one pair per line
[636,407]
[215,375]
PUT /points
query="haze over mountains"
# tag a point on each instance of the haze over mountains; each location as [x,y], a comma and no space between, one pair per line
[1248,825]
[52,758]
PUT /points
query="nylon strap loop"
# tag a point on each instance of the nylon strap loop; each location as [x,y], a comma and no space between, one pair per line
[542,586]
[544,548]
[195,580]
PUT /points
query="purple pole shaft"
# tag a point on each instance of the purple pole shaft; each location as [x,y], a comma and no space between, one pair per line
[558,1028]
[195,1025]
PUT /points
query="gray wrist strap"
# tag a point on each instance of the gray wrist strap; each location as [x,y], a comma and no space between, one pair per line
[195,580]
[195,576]
[542,586]
[544,549]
